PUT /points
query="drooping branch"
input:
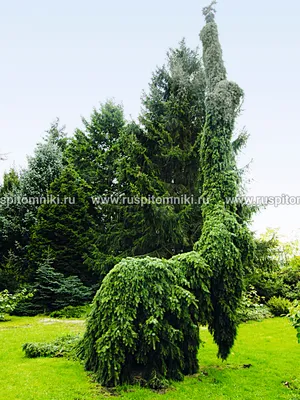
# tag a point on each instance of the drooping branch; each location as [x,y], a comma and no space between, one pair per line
[225,241]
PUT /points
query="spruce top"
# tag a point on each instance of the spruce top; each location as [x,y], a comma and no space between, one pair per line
[209,12]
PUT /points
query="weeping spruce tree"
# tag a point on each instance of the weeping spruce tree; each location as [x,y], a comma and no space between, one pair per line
[225,243]
[146,313]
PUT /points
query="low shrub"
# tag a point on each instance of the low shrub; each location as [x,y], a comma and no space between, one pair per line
[291,282]
[254,313]
[279,306]
[60,347]
[281,282]
[252,307]
[8,301]
[294,316]
[71,312]
[267,284]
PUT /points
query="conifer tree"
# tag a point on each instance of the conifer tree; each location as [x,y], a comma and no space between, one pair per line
[92,150]
[52,290]
[11,181]
[94,153]
[143,322]
[18,213]
[65,227]
[159,158]
[173,116]
[225,243]
[213,274]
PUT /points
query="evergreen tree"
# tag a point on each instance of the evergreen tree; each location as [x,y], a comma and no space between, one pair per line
[158,158]
[43,168]
[225,243]
[52,291]
[57,134]
[18,209]
[173,116]
[92,151]
[65,227]
[163,160]
[11,181]
[119,339]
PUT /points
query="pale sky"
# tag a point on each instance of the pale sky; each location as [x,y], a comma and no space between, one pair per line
[62,58]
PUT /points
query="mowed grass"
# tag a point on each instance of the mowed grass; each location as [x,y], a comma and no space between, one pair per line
[269,346]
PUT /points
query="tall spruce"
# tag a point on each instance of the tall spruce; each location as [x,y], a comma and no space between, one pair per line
[173,116]
[225,243]
[212,276]
[159,158]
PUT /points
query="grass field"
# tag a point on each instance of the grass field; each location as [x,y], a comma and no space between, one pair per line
[269,346]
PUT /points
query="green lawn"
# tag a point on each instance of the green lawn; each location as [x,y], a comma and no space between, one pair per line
[269,346]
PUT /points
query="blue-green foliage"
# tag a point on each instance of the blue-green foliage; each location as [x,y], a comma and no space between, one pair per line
[53,291]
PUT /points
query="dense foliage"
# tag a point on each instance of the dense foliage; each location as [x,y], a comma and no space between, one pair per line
[276,269]
[144,323]
[294,316]
[65,228]
[22,194]
[60,347]
[225,243]
[157,157]
[279,306]
[71,312]
[146,313]
[53,291]
[8,301]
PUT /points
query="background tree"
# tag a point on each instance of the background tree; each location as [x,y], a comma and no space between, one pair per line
[65,228]
[165,161]
[158,157]
[52,290]
[18,213]
[276,267]
[10,182]
[92,151]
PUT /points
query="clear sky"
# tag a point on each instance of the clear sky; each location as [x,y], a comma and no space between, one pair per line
[61,58]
